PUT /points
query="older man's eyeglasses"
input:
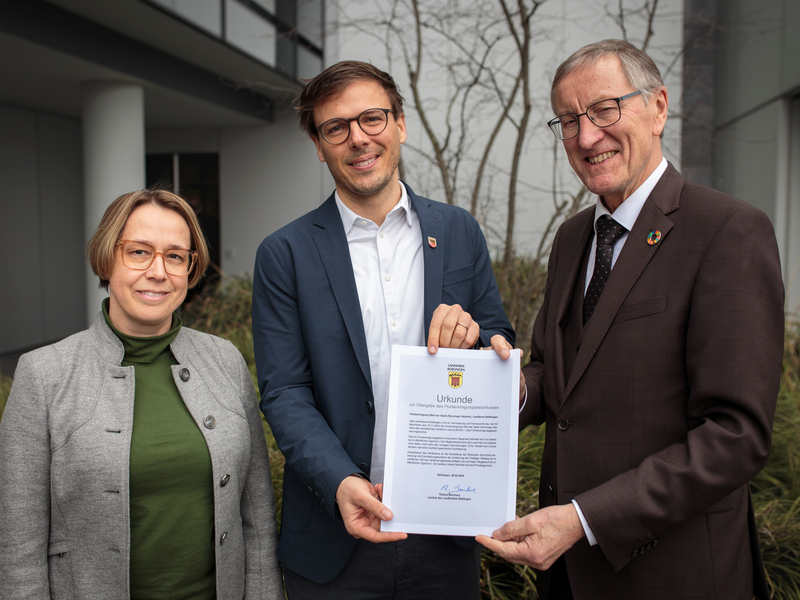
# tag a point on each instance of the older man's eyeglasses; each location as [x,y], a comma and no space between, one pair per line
[372,122]
[139,256]
[602,114]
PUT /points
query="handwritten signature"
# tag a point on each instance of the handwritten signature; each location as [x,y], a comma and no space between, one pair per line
[457,488]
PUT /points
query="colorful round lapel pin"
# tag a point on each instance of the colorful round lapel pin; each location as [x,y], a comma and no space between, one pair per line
[654,237]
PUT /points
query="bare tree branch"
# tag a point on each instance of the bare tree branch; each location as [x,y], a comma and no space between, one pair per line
[488,148]
[414,73]
[469,82]
[621,21]
[651,15]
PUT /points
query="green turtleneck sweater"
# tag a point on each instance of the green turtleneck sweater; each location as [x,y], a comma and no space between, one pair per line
[171,482]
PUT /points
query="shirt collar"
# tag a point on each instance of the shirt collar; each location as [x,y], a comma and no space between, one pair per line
[627,212]
[349,217]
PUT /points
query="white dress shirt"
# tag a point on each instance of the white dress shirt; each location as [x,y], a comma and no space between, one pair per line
[626,215]
[390,272]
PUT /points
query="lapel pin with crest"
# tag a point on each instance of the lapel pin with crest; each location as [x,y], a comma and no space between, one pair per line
[654,237]
[432,242]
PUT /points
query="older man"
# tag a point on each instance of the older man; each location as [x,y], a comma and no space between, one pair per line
[655,361]
[374,265]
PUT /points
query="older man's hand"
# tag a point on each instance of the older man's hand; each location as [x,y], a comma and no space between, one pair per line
[537,539]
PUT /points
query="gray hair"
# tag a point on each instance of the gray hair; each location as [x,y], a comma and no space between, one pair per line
[639,69]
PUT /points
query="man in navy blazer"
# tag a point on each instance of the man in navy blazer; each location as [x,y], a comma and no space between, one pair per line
[373,266]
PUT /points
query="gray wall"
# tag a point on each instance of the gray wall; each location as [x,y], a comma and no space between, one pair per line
[757,73]
[759,45]
[269,176]
[746,160]
[41,230]
[790,246]
[756,146]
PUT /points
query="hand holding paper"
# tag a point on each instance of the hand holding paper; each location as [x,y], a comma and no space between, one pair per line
[362,511]
[452,327]
[537,539]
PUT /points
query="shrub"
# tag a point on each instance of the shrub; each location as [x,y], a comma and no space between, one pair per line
[521,283]
[776,489]
[5,388]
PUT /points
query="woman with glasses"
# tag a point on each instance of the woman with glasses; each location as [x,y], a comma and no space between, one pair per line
[132,456]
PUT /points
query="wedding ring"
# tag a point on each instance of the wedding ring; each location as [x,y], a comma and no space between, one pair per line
[464,326]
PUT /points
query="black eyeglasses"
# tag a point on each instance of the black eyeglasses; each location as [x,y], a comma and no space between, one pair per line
[602,114]
[372,122]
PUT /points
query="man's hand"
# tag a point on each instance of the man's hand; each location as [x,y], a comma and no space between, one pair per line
[537,539]
[452,327]
[503,349]
[362,511]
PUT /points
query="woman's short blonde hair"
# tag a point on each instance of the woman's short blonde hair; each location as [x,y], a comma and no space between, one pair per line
[100,249]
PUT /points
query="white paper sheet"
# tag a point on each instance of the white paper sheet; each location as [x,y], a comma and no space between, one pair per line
[451,446]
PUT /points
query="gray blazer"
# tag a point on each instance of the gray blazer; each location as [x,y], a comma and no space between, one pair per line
[64,448]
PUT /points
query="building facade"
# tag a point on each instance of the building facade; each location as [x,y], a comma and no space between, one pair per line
[100,98]
[741,111]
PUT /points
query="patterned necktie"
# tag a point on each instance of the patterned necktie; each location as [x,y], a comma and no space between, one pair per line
[608,232]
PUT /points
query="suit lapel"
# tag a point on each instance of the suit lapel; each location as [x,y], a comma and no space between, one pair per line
[334,252]
[432,228]
[632,261]
[574,251]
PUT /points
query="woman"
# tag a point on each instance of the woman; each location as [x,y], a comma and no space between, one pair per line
[132,457]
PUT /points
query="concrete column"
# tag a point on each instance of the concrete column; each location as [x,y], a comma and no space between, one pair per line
[113,159]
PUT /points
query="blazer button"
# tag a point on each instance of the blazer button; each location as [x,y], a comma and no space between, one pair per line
[210,422]
[225,481]
[364,467]
[222,538]
[550,487]
[184,374]
[563,424]
[322,501]
[369,406]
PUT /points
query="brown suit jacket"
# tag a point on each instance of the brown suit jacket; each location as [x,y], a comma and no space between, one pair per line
[666,411]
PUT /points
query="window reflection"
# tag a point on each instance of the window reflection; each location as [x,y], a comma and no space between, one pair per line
[284,34]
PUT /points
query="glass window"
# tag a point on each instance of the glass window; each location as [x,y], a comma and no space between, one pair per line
[309,64]
[287,51]
[206,14]
[309,20]
[268,5]
[249,31]
[286,11]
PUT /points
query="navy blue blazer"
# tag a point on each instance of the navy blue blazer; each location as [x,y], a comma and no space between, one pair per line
[313,366]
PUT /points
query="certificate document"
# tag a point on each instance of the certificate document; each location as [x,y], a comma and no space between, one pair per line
[451,443]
